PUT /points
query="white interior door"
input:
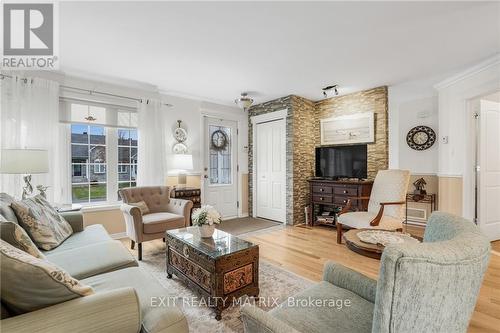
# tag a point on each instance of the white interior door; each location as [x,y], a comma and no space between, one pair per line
[220,178]
[270,170]
[489,169]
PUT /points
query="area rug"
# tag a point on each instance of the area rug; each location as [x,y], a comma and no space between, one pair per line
[275,285]
[246,224]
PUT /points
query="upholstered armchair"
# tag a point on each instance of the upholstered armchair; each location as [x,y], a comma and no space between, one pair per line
[386,204]
[161,214]
[422,287]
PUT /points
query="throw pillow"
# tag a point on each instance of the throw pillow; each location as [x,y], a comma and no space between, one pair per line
[30,283]
[42,222]
[143,207]
[13,234]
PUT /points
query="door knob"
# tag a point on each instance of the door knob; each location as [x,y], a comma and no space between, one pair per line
[205,176]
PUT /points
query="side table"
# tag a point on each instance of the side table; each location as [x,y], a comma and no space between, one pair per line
[188,193]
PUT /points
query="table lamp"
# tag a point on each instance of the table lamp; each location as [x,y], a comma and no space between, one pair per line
[182,163]
[26,162]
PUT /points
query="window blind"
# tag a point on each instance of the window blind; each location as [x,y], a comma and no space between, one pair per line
[77,111]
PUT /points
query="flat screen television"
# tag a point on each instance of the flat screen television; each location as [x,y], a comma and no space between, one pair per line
[341,162]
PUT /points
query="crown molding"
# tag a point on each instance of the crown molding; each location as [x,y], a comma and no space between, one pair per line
[483,65]
[98,79]
[193,97]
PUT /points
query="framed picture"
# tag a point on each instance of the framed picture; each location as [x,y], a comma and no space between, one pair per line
[348,129]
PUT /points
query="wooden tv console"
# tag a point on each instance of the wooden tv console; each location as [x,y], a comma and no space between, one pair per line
[326,194]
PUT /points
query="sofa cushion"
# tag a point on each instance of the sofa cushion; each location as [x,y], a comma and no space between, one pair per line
[5,209]
[360,220]
[43,223]
[143,207]
[164,318]
[13,234]
[90,235]
[324,316]
[159,222]
[30,283]
[81,262]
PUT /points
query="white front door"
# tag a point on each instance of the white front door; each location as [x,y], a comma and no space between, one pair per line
[489,169]
[220,177]
[270,170]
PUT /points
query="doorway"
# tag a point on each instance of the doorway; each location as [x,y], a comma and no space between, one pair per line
[269,161]
[487,161]
[220,185]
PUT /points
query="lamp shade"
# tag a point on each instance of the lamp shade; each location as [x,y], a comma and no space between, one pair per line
[24,161]
[182,162]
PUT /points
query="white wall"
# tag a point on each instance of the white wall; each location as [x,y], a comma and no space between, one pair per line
[410,104]
[188,110]
[455,97]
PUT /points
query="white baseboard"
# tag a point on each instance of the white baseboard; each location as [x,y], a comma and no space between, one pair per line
[119,235]
[244,215]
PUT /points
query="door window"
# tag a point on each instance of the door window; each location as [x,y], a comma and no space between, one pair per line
[220,155]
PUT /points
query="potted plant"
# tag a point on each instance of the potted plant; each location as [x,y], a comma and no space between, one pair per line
[205,219]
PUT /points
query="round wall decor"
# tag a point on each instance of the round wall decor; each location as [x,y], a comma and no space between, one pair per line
[180,134]
[180,148]
[219,140]
[421,137]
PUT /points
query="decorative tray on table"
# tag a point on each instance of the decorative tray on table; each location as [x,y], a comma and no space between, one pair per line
[384,237]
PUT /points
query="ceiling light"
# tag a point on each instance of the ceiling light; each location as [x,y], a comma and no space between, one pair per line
[244,101]
[330,91]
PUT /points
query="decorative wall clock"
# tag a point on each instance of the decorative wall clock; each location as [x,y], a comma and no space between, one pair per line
[219,140]
[421,138]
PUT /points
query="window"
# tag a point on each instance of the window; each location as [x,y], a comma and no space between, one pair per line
[127,157]
[103,150]
[88,163]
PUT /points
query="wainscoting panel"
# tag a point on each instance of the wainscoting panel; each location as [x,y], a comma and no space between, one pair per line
[450,195]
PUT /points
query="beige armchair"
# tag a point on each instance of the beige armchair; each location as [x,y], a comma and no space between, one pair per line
[165,213]
[386,204]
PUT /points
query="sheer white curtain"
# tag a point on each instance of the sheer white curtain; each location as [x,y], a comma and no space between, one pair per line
[29,118]
[152,147]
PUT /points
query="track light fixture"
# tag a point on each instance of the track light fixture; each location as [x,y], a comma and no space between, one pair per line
[330,91]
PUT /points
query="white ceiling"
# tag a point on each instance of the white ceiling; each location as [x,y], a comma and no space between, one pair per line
[214,51]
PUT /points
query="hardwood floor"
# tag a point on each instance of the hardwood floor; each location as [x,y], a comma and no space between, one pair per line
[304,252]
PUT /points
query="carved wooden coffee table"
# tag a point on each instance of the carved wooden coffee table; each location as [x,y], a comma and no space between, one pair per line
[222,268]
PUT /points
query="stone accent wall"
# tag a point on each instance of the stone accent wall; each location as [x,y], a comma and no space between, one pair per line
[303,135]
[271,106]
[373,100]
[303,154]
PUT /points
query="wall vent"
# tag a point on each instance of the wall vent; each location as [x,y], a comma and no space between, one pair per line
[417,215]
